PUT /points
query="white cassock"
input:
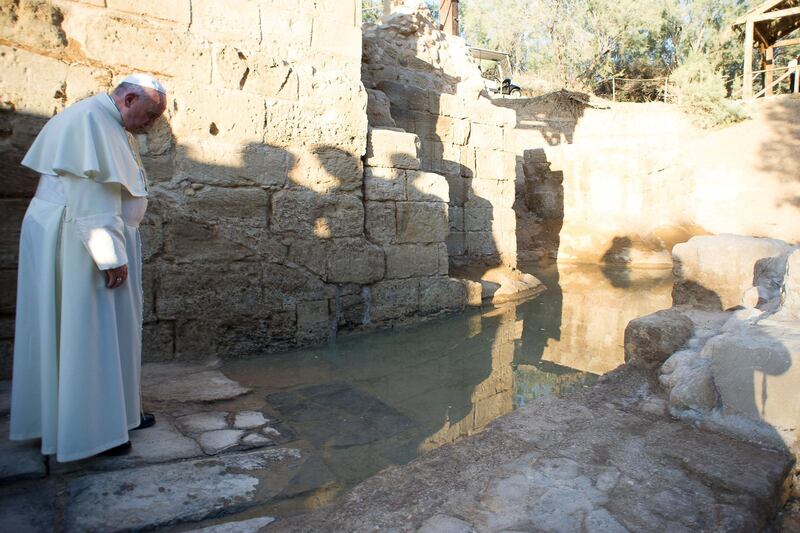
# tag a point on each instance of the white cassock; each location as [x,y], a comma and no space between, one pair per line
[77,345]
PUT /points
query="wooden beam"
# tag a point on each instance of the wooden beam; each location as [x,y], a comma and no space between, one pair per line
[747,77]
[775,14]
[769,66]
[760,36]
[448,15]
[757,10]
[387,7]
[786,42]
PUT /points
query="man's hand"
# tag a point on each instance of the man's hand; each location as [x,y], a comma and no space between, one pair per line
[116,276]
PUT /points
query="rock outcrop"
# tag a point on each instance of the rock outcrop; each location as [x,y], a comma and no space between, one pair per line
[735,370]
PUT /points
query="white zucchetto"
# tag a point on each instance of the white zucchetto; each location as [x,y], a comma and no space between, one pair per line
[145,80]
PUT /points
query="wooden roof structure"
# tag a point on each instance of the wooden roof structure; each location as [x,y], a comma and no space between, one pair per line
[767,26]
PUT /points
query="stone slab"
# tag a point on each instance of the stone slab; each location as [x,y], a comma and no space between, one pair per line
[590,462]
[19,459]
[28,509]
[249,420]
[160,495]
[202,422]
[175,382]
[241,526]
[214,442]
[5,397]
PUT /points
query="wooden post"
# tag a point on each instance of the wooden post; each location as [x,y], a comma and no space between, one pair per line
[768,66]
[797,78]
[614,89]
[666,88]
[448,16]
[387,7]
[747,87]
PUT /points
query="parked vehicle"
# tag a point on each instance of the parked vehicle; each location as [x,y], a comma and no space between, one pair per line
[495,68]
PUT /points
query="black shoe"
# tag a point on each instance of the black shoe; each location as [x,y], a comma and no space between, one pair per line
[122,449]
[147,420]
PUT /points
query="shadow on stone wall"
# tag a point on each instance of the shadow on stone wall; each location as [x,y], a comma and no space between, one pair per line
[239,258]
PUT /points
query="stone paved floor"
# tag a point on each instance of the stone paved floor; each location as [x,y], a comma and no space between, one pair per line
[606,459]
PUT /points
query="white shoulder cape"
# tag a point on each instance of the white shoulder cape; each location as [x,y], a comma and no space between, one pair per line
[88,140]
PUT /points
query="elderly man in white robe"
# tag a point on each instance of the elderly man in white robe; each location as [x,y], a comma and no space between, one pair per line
[77,348]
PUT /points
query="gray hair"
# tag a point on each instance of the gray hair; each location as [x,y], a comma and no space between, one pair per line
[124,88]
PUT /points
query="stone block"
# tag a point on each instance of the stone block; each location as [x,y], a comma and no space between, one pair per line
[393,299]
[35,24]
[8,296]
[317,124]
[190,242]
[12,212]
[452,105]
[485,193]
[310,253]
[478,219]
[411,260]
[790,293]
[483,111]
[255,71]
[456,244]
[286,25]
[231,21]
[458,189]
[392,149]
[405,96]
[756,372]
[480,244]
[225,164]
[714,271]
[179,11]
[421,222]
[379,109]
[427,187]
[330,36]
[285,284]
[455,216]
[381,227]
[247,205]
[230,116]
[651,339]
[486,137]
[383,184]
[33,83]
[355,261]
[324,216]
[200,291]
[158,341]
[444,259]
[109,41]
[495,164]
[313,323]
[441,294]
[326,169]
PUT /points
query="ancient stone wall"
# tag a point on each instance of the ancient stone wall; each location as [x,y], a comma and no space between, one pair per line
[623,183]
[424,82]
[255,236]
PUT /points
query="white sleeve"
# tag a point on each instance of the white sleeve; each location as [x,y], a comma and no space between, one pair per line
[96,210]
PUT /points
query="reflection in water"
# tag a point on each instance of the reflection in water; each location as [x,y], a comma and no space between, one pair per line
[381,398]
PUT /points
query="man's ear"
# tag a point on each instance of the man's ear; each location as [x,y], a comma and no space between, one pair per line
[130,98]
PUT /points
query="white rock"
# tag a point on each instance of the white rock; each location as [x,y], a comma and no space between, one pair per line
[202,422]
[214,442]
[242,526]
[255,440]
[249,419]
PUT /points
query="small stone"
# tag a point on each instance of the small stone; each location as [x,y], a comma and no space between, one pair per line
[202,422]
[271,431]
[241,526]
[257,441]
[249,419]
[214,442]
[444,524]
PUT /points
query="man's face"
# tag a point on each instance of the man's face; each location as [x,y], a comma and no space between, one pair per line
[139,113]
